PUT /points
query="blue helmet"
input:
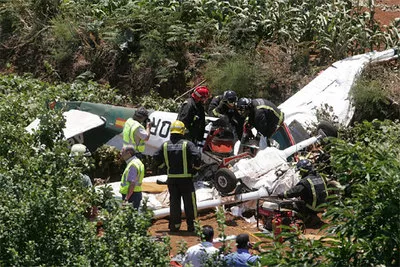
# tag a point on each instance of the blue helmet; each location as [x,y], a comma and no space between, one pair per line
[243,103]
[230,96]
[305,167]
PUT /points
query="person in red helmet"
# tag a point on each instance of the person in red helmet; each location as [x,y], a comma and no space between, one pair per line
[192,114]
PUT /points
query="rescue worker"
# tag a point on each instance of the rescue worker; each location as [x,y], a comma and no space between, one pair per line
[223,104]
[80,156]
[224,107]
[192,114]
[134,132]
[132,177]
[261,114]
[312,189]
[182,160]
[77,151]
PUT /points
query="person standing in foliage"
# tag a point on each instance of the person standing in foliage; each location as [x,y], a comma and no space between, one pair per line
[242,257]
[80,154]
[261,114]
[199,254]
[80,150]
[312,189]
[131,180]
[134,132]
[182,160]
[192,114]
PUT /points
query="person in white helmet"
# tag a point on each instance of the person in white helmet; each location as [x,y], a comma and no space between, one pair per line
[78,153]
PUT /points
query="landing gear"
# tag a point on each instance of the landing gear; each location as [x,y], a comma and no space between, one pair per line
[225,181]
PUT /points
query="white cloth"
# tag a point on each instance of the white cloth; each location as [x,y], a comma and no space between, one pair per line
[197,255]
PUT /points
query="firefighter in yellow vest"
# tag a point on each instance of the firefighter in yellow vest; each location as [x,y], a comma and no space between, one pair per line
[131,181]
[182,160]
[134,132]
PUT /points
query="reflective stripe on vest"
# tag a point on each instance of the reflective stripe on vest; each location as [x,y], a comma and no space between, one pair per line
[216,113]
[140,172]
[130,128]
[314,195]
[185,173]
[278,115]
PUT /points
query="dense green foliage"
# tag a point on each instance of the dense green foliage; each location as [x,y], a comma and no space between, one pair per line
[43,206]
[368,220]
[143,45]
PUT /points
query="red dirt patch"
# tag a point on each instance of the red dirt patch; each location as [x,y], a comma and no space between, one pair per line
[387,11]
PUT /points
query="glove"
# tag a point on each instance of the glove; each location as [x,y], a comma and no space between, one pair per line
[247,130]
[281,196]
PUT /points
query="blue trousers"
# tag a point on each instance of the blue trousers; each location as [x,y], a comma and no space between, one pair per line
[135,199]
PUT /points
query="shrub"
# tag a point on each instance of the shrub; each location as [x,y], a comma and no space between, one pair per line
[108,163]
[237,73]
[43,214]
[376,93]
[146,45]
[367,220]
[156,102]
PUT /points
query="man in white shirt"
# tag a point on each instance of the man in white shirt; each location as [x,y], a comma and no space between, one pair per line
[199,254]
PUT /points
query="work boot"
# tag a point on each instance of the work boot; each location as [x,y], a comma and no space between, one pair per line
[173,229]
[190,229]
[313,221]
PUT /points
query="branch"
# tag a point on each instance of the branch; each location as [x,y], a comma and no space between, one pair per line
[190,90]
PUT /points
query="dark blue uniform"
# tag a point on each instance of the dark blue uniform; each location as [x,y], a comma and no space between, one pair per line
[265,117]
[181,158]
[216,109]
[193,116]
[312,189]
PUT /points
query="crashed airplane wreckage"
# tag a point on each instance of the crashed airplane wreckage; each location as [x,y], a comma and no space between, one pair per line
[97,124]
[259,173]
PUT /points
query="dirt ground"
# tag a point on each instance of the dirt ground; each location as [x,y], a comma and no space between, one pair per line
[233,226]
[386,11]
